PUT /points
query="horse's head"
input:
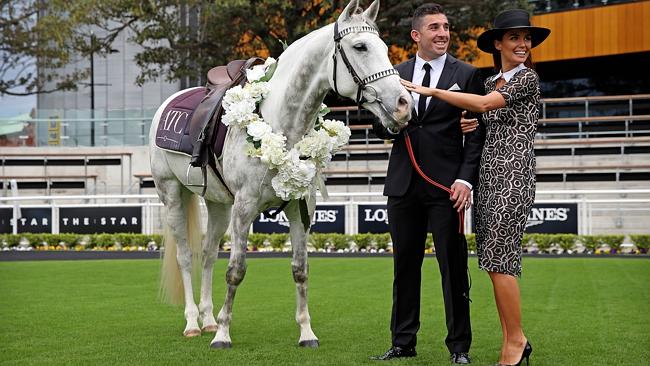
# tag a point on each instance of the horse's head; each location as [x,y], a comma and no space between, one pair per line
[362,71]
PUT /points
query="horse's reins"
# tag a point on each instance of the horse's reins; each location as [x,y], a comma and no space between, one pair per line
[409,147]
[461,214]
[362,84]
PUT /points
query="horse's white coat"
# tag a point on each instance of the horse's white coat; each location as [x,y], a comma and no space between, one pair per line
[302,79]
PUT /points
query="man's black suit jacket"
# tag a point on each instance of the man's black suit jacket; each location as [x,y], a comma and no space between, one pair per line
[437,136]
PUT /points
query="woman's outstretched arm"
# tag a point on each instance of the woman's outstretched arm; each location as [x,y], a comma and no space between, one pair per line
[472,102]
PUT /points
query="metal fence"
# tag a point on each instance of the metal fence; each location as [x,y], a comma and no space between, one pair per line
[625,211]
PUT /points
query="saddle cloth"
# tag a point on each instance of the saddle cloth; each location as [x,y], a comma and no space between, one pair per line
[191,122]
[174,128]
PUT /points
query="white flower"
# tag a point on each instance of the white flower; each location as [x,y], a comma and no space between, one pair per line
[281,189]
[269,61]
[252,151]
[255,73]
[317,145]
[240,113]
[294,178]
[258,129]
[258,90]
[234,95]
[338,131]
[273,150]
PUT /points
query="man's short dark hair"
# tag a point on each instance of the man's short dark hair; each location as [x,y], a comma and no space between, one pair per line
[424,10]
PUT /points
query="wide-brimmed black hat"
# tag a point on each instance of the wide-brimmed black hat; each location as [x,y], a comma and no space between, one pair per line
[510,19]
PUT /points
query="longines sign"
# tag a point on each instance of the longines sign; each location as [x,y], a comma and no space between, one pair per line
[372,219]
[553,218]
[327,219]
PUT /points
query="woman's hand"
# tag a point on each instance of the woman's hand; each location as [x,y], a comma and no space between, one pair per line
[467,125]
[417,88]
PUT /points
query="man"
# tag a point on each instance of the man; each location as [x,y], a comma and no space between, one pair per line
[415,206]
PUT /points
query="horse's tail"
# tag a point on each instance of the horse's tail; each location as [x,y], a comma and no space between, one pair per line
[171,282]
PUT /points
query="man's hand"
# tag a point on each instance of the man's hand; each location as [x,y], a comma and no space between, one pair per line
[467,125]
[461,195]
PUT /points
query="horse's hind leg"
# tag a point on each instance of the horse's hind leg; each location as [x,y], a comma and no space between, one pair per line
[243,214]
[300,268]
[179,201]
[218,220]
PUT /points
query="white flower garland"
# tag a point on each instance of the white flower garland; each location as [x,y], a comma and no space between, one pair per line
[296,168]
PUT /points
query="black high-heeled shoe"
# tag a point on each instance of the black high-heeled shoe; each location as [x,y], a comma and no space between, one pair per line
[528,349]
[526,354]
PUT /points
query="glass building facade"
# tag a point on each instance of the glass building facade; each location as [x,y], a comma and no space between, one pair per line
[123,110]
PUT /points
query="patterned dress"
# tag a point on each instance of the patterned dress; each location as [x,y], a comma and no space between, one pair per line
[506,188]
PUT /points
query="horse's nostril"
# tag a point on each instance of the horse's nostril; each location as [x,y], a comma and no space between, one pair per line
[402,102]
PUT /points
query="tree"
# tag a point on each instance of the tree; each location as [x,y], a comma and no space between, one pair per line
[40,37]
[187,40]
[183,39]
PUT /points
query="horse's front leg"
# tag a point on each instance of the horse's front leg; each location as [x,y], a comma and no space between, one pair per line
[218,220]
[243,214]
[299,267]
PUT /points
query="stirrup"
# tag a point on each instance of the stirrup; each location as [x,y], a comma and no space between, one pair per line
[204,185]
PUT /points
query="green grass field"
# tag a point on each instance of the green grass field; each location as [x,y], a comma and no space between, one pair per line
[576,312]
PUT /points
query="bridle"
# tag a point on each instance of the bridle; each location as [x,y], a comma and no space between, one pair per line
[363,84]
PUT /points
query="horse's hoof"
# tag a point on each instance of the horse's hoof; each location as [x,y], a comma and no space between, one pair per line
[309,344]
[192,333]
[221,345]
[210,328]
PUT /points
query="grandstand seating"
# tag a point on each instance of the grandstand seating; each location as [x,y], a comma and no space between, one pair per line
[50,182]
[587,142]
[60,170]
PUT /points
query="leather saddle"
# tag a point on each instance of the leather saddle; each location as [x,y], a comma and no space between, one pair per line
[206,130]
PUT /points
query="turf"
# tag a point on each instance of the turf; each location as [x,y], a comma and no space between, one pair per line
[576,312]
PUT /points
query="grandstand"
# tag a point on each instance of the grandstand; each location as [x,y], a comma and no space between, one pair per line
[593,157]
[592,146]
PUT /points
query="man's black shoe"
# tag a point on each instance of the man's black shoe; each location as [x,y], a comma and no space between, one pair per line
[396,352]
[460,358]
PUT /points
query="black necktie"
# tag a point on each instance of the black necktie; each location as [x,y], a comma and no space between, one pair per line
[422,103]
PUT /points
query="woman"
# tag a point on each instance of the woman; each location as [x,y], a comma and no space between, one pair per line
[506,189]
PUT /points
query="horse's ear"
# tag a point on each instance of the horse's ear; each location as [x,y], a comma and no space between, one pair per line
[371,12]
[349,11]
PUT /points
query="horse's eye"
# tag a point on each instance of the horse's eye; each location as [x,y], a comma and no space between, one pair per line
[361,47]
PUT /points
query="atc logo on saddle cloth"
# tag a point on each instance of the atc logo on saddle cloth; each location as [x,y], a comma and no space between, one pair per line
[173,130]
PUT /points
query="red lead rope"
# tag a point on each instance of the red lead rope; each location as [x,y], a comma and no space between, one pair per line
[409,147]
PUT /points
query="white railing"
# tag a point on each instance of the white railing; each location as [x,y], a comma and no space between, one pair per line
[614,206]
